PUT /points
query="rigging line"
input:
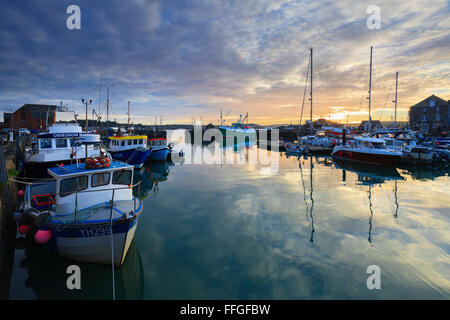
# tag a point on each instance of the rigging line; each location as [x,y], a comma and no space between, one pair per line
[389,93]
[360,104]
[304,92]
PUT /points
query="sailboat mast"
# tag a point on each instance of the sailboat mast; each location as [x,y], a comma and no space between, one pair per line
[311,91]
[370,89]
[128,114]
[395,113]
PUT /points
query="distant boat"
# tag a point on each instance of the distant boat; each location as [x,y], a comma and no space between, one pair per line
[159,149]
[130,149]
[239,131]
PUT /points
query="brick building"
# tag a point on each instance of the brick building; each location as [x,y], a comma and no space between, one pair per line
[430,114]
[30,116]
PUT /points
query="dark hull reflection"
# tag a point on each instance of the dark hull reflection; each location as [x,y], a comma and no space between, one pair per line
[47,276]
[150,175]
[369,174]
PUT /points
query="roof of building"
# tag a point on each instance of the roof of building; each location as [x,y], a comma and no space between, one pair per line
[420,104]
[38,107]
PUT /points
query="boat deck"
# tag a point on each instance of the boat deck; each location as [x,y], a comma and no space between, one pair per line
[101,212]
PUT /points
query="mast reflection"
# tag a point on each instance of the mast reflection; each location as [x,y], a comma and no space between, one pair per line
[370,176]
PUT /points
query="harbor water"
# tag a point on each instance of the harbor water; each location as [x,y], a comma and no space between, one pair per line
[307,228]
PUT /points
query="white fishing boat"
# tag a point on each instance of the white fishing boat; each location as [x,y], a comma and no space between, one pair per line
[58,146]
[88,213]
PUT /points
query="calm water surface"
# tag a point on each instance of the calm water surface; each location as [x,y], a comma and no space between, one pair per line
[308,230]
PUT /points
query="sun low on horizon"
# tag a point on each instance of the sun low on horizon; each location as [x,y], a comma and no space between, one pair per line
[180,62]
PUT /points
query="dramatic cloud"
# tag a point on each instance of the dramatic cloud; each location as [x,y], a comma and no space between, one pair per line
[184,59]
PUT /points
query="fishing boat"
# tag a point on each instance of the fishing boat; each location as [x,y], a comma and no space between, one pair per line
[130,149]
[87,213]
[159,149]
[57,146]
[367,150]
[239,131]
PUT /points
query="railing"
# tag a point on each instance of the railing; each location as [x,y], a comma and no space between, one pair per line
[136,192]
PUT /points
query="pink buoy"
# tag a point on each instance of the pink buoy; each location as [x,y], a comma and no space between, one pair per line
[43,236]
[20,193]
[24,229]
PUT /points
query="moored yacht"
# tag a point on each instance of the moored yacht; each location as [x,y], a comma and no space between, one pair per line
[367,150]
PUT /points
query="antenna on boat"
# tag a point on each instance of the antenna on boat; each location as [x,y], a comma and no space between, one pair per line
[128,114]
[107,103]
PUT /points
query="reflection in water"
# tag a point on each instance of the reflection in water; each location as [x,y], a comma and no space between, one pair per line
[369,176]
[309,207]
[234,232]
[47,275]
[150,175]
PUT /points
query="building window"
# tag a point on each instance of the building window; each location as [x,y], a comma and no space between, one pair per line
[100,179]
[432,103]
[61,143]
[71,185]
[45,143]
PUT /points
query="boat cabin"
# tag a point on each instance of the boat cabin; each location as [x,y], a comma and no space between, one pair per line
[78,188]
[157,142]
[371,142]
[121,143]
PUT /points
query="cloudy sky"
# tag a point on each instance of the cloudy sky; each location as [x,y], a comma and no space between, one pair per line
[185,59]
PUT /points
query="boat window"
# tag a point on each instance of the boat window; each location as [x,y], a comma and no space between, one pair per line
[61,143]
[46,143]
[140,141]
[72,142]
[135,141]
[100,179]
[122,177]
[130,142]
[123,143]
[71,185]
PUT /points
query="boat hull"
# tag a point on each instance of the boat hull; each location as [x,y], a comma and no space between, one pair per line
[133,156]
[159,154]
[364,157]
[91,242]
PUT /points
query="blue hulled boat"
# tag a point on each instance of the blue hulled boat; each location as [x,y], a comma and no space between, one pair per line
[130,149]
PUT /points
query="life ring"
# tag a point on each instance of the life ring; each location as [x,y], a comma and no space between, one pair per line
[333,141]
[97,162]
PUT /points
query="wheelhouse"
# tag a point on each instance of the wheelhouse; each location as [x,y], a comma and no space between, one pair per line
[158,142]
[119,143]
[81,188]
